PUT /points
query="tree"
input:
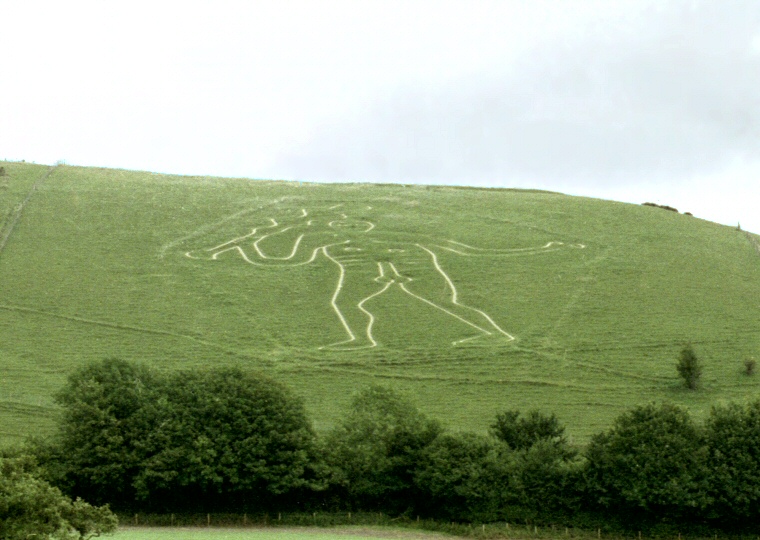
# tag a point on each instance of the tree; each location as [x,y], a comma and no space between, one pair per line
[522,433]
[32,508]
[689,367]
[373,452]
[652,465]
[225,438]
[466,477]
[733,439]
[180,441]
[108,411]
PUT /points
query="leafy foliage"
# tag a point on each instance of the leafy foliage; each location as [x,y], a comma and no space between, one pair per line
[733,439]
[32,508]
[466,477]
[374,451]
[218,437]
[523,433]
[108,410]
[689,367]
[228,437]
[651,463]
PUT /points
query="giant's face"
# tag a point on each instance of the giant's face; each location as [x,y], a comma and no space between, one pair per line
[351,225]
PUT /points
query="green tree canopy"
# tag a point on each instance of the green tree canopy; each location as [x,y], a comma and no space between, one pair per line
[652,462]
[227,436]
[466,477]
[733,438]
[689,367]
[373,452]
[522,432]
[187,439]
[32,508]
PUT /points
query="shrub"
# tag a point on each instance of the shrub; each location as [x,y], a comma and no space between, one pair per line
[210,439]
[522,433]
[32,508]
[689,367]
[749,366]
[374,451]
[733,439]
[466,477]
[651,465]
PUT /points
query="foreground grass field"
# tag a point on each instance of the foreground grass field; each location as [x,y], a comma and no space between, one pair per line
[471,300]
[344,533]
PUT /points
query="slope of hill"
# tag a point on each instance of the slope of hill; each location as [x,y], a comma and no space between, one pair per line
[472,300]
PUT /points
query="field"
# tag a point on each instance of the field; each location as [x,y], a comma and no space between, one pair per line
[344,533]
[470,300]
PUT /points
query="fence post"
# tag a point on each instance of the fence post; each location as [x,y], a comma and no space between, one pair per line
[245,519]
[208,520]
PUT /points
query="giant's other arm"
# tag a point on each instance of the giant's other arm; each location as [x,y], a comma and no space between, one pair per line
[470,251]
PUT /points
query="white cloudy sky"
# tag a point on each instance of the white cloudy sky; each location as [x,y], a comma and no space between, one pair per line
[631,100]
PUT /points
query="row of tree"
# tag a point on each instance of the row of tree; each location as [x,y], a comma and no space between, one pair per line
[229,440]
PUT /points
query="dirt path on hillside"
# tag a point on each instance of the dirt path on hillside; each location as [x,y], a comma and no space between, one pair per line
[15,216]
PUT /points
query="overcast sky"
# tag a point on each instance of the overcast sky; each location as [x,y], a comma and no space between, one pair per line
[631,100]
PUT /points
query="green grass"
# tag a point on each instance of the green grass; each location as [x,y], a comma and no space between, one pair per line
[96,267]
[344,533]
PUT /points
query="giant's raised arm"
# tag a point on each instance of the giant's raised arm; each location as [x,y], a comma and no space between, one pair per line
[471,251]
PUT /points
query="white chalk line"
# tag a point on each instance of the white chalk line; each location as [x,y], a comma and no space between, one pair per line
[454,297]
[240,238]
[360,305]
[292,253]
[514,251]
[333,302]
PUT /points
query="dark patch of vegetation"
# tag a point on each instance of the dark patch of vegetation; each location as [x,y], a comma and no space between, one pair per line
[2,171]
[689,367]
[663,206]
[227,441]
[750,366]
[31,508]
[522,433]
[215,439]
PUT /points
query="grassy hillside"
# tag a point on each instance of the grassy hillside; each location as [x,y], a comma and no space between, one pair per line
[472,300]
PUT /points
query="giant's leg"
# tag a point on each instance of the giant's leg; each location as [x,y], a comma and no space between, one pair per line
[433,286]
[359,281]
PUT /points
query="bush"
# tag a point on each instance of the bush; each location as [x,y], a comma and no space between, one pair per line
[32,508]
[374,451]
[651,465]
[109,408]
[522,433]
[733,439]
[226,439]
[466,477]
[547,482]
[689,367]
[188,440]
[750,365]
